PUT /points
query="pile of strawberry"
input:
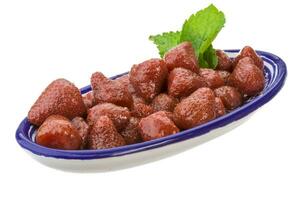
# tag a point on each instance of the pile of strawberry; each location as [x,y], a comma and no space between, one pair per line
[159,97]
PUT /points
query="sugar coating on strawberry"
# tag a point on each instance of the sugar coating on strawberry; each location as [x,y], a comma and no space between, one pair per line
[164,102]
[245,60]
[104,135]
[182,82]
[224,75]
[148,78]
[224,62]
[156,126]
[124,80]
[183,56]
[219,107]
[248,51]
[82,128]
[212,78]
[230,96]
[196,109]
[137,99]
[247,78]
[59,133]
[89,100]
[61,97]
[131,133]
[141,110]
[110,91]
[119,115]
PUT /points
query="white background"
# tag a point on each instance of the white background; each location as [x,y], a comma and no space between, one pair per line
[44,40]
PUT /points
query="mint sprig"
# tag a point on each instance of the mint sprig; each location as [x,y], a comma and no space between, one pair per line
[200,29]
[208,58]
[165,41]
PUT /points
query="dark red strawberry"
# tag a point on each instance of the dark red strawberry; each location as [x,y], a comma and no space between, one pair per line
[219,107]
[248,51]
[131,133]
[119,115]
[138,99]
[89,100]
[82,128]
[59,133]
[141,110]
[110,91]
[247,78]
[212,78]
[230,97]
[164,102]
[182,56]
[104,135]
[124,80]
[61,97]
[196,109]
[156,126]
[148,78]
[224,62]
[182,82]
[224,75]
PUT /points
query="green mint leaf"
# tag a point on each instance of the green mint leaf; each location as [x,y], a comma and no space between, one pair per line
[202,28]
[209,58]
[166,41]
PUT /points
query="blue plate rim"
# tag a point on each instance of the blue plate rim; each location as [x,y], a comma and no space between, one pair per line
[275,87]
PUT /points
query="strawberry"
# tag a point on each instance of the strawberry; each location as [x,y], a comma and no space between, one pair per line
[119,115]
[224,62]
[131,133]
[183,55]
[141,110]
[148,77]
[89,100]
[82,128]
[104,135]
[59,133]
[110,91]
[182,82]
[248,51]
[124,80]
[61,97]
[164,102]
[156,126]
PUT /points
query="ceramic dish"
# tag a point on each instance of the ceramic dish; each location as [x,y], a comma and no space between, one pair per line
[131,155]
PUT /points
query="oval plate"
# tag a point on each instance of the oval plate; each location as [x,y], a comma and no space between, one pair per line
[126,156]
